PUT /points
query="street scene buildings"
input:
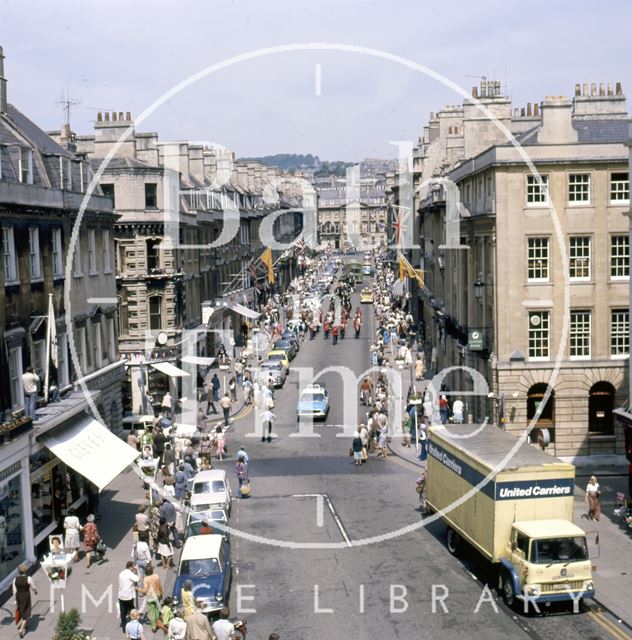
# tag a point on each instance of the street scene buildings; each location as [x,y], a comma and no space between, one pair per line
[304,395]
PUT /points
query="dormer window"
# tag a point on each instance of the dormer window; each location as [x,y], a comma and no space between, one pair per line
[65,173]
[26,165]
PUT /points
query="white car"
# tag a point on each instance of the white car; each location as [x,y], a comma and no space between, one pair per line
[210,490]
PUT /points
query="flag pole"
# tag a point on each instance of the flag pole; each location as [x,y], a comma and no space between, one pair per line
[48,341]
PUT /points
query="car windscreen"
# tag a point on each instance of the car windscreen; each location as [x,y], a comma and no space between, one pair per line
[272,365]
[313,397]
[282,344]
[208,487]
[200,568]
[549,551]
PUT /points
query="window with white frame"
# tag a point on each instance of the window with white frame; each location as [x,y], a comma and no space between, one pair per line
[539,335]
[619,187]
[57,252]
[62,360]
[26,165]
[111,339]
[92,252]
[15,377]
[619,257]
[10,258]
[107,252]
[81,347]
[579,258]
[579,188]
[538,259]
[38,356]
[35,262]
[97,346]
[537,190]
[619,333]
[580,334]
[77,267]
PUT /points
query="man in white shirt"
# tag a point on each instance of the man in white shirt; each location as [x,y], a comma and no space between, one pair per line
[128,579]
[267,418]
[30,381]
[457,411]
[224,628]
[177,626]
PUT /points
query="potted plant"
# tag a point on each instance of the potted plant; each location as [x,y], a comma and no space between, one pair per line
[68,627]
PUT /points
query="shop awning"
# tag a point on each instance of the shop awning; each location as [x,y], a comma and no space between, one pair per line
[91,450]
[244,311]
[199,360]
[169,369]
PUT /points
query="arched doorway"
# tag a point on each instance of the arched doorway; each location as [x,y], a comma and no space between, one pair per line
[600,406]
[546,419]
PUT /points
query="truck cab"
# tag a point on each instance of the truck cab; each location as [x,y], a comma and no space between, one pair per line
[546,561]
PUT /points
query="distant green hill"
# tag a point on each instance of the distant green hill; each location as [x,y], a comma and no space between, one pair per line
[293,162]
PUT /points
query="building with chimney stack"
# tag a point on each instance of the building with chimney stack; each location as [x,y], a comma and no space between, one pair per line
[52,299]
[527,265]
[188,225]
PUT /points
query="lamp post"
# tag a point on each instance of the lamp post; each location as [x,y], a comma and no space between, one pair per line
[479,288]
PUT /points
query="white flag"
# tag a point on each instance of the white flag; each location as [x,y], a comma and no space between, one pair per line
[52,332]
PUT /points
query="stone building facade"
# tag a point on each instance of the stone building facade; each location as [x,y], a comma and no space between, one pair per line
[42,185]
[529,284]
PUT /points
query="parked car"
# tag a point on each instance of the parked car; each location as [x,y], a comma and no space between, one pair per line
[281,356]
[274,367]
[313,403]
[206,562]
[292,337]
[289,346]
[210,490]
[212,517]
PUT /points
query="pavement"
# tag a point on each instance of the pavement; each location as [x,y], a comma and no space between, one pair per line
[94,591]
[613,566]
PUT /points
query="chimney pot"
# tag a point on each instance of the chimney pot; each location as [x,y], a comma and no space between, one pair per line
[602,89]
[593,89]
[516,112]
[474,92]
[107,116]
[619,90]
[497,87]
[128,116]
[610,89]
[99,117]
[113,116]
[121,116]
[536,110]
[522,112]
[585,89]
[483,89]
[578,89]
[529,109]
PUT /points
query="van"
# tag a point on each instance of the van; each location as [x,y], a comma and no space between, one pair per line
[210,490]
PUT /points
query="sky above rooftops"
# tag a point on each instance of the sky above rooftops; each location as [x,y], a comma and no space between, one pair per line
[114,55]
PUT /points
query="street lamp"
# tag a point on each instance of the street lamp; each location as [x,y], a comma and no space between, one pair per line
[479,287]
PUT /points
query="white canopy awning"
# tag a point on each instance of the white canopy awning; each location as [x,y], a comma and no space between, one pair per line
[169,369]
[91,450]
[244,311]
[199,360]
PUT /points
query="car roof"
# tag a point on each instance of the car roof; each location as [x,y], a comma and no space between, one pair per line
[211,474]
[201,547]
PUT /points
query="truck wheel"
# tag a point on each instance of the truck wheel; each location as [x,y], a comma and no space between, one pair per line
[506,584]
[452,541]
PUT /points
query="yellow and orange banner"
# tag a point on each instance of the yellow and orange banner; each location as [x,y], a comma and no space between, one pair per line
[266,258]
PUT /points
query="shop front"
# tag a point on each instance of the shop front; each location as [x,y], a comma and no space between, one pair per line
[16,530]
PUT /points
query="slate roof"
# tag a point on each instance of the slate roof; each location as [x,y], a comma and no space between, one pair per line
[37,136]
[588,132]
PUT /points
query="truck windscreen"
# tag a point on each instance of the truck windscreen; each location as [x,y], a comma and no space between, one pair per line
[549,551]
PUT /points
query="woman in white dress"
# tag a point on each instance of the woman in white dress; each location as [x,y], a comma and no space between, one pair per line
[73,529]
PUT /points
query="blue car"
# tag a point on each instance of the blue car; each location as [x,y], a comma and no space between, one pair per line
[313,403]
[205,561]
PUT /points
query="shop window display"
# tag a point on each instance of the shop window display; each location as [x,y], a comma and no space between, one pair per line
[12,550]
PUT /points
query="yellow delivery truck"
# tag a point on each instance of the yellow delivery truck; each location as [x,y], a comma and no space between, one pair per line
[519,518]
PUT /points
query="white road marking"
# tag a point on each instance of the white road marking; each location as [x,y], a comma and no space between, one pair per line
[324,496]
